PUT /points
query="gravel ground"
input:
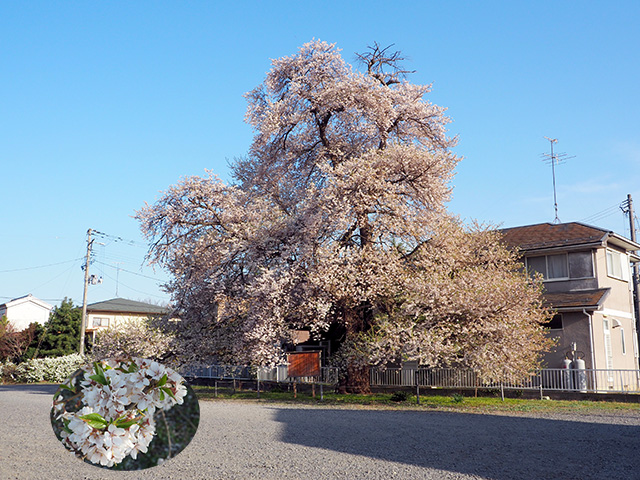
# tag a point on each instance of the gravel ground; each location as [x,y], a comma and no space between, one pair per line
[265,441]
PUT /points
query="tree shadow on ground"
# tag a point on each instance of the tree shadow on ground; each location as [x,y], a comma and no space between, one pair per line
[489,446]
[40,389]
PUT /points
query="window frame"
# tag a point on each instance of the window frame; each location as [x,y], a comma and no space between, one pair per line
[621,262]
[546,266]
[101,322]
[567,265]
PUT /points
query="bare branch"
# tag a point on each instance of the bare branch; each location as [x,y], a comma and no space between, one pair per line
[378,60]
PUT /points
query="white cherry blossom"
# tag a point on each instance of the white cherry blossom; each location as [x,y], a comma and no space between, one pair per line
[119,398]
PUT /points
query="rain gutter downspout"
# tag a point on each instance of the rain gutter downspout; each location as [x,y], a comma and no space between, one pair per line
[593,358]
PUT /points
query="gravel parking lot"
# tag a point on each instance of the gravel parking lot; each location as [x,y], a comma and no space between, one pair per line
[239,440]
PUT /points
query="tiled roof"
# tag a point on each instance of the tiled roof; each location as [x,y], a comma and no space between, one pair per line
[588,299]
[122,305]
[549,235]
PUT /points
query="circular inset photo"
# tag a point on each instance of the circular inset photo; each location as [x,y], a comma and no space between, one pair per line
[125,414]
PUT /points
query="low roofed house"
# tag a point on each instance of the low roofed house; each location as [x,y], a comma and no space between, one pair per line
[119,311]
[588,284]
[23,311]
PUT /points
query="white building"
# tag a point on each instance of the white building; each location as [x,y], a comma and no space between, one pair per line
[24,310]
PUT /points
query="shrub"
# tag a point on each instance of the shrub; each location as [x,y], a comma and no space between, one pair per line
[457,398]
[399,397]
[52,369]
[7,370]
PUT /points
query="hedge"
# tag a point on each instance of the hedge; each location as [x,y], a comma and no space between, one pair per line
[52,369]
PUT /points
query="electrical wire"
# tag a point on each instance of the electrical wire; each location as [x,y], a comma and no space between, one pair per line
[115,238]
[131,288]
[40,266]
[128,271]
[607,212]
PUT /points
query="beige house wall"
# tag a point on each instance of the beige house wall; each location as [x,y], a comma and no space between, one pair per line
[617,307]
[618,310]
[115,320]
[621,296]
[620,329]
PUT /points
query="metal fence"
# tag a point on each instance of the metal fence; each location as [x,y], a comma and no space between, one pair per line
[557,379]
[553,379]
[329,375]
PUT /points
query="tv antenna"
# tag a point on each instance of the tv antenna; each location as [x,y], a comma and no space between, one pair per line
[554,159]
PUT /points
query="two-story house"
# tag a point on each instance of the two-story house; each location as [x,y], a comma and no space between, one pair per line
[118,312]
[588,284]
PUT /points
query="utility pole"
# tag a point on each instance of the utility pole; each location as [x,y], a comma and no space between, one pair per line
[628,208]
[83,326]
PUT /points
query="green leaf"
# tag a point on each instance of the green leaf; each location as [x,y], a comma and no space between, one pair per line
[98,368]
[169,392]
[66,387]
[133,367]
[65,426]
[163,380]
[161,395]
[95,420]
[126,424]
[99,378]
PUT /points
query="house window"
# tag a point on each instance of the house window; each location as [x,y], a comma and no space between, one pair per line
[581,265]
[100,321]
[617,265]
[562,266]
[552,267]
[624,347]
[555,323]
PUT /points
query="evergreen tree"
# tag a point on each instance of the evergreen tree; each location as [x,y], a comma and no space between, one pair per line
[60,335]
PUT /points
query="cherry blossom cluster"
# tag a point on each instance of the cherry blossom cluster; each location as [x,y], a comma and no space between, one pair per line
[118,400]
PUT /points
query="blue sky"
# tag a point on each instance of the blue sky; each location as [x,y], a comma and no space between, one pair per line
[105,104]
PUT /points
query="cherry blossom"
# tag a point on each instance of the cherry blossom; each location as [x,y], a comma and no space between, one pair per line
[336,223]
[119,399]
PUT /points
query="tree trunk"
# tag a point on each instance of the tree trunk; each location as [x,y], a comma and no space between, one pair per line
[356,381]
[356,320]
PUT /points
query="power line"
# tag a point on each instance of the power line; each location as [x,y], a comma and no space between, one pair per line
[115,238]
[138,291]
[607,212]
[40,266]
[128,271]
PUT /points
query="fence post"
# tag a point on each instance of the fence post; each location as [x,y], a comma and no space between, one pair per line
[417,387]
[540,383]
[621,381]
